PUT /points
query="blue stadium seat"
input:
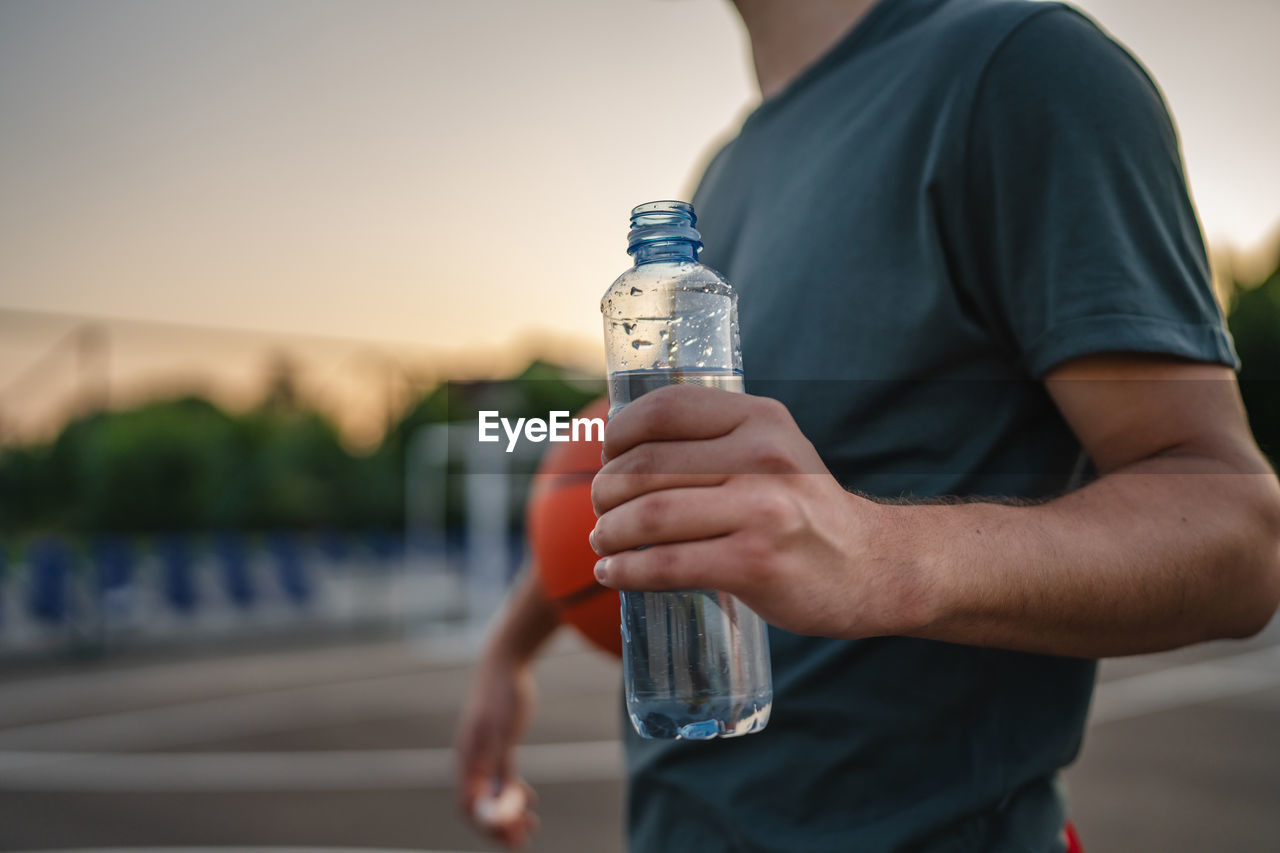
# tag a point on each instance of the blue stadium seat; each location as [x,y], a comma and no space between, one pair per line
[515,554]
[113,557]
[290,568]
[49,595]
[233,559]
[334,545]
[113,560]
[4,576]
[385,544]
[177,572]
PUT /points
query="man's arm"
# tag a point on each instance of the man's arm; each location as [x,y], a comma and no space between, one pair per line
[528,620]
[1177,541]
[497,710]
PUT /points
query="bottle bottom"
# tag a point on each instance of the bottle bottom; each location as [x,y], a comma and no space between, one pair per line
[667,719]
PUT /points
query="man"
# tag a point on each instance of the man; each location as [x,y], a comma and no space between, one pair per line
[968,267]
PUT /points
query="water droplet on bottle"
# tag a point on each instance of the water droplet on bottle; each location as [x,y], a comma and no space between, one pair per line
[628,327]
[707,351]
[641,344]
[662,333]
[635,291]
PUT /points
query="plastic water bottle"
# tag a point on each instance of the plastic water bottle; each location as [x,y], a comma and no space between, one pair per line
[695,662]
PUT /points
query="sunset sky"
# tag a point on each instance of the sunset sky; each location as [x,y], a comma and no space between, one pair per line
[436,175]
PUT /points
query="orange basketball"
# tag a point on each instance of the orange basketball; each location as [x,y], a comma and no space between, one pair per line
[558,520]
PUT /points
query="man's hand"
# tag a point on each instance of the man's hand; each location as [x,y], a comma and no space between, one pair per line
[490,794]
[722,491]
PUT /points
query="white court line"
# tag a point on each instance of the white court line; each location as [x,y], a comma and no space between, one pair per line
[281,708]
[33,698]
[206,720]
[376,769]
[42,697]
[30,770]
[233,849]
[1190,684]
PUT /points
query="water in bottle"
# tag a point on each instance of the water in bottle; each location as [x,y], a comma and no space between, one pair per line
[695,662]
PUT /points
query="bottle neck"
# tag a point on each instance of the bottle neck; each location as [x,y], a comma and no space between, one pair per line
[670,251]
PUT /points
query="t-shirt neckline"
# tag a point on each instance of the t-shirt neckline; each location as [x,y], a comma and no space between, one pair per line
[883,19]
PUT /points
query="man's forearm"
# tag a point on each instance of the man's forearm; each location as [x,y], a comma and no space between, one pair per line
[1178,540]
[1168,551]
[528,619]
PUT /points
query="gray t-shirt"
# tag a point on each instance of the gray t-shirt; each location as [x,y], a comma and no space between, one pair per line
[959,196]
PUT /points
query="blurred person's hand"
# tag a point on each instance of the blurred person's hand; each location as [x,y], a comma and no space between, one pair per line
[490,793]
[494,716]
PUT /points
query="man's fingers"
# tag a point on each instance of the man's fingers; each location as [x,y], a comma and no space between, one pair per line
[519,830]
[670,515]
[676,412]
[704,564]
[506,813]
[660,465]
[478,766]
[530,795]
[477,782]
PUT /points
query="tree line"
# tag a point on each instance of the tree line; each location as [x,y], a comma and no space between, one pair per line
[187,465]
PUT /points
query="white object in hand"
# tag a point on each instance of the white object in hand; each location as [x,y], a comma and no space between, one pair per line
[503,808]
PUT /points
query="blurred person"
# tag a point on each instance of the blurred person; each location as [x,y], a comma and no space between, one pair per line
[969,270]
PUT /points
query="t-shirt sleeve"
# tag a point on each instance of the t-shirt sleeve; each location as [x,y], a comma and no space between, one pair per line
[1078,234]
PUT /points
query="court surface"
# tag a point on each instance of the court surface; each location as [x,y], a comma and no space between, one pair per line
[346,747]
